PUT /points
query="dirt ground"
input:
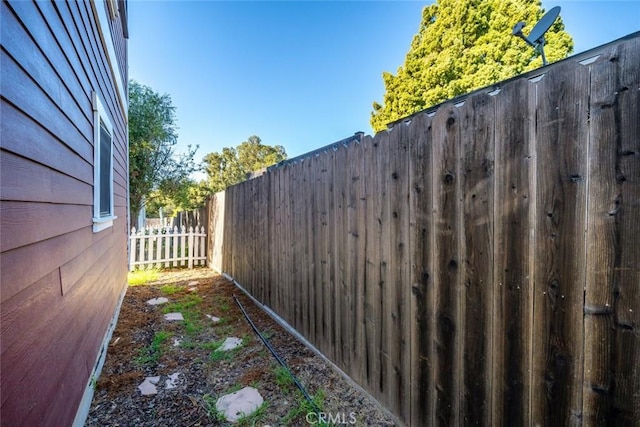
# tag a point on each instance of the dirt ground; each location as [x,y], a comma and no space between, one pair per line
[144,344]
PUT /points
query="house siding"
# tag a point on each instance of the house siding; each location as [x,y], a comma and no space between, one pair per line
[60,282]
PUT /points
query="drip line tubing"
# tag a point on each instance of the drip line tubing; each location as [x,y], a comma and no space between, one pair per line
[278,358]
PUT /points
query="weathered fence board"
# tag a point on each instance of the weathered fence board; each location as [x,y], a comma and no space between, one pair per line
[420,243]
[478,191]
[478,264]
[561,136]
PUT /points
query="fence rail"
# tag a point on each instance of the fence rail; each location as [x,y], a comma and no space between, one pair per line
[166,247]
[477,264]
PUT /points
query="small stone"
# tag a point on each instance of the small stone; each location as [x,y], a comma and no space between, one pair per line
[214,319]
[192,284]
[177,342]
[173,316]
[158,301]
[240,404]
[230,343]
[148,386]
[172,381]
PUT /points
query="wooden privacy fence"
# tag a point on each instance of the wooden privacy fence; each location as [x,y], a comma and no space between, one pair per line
[166,247]
[475,264]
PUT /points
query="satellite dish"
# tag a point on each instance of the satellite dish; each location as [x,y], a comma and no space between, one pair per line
[536,36]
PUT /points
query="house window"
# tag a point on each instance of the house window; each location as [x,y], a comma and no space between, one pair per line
[103,212]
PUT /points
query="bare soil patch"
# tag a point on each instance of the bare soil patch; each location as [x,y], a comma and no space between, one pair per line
[143,345]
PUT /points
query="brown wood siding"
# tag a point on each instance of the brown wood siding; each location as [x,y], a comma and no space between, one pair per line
[498,280]
[51,261]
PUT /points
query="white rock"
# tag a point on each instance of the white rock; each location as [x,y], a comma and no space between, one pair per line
[148,386]
[177,342]
[172,381]
[192,284]
[230,343]
[214,319]
[158,301]
[241,403]
[173,316]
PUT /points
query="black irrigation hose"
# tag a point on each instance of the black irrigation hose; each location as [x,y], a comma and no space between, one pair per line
[282,363]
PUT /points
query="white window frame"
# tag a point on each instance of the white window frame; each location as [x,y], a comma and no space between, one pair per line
[112,5]
[101,222]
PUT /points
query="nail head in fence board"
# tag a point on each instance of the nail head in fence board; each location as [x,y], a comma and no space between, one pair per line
[447,263]
[512,283]
[561,151]
[421,270]
[613,259]
[477,144]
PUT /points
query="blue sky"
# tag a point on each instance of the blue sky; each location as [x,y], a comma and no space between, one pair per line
[301,74]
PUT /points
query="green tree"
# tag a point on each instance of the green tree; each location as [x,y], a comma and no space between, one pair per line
[175,197]
[233,165]
[154,167]
[463,45]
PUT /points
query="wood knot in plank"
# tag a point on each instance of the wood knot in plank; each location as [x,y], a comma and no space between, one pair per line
[448,178]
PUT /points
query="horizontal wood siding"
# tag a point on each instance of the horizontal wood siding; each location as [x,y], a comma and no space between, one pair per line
[61,282]
[475,265]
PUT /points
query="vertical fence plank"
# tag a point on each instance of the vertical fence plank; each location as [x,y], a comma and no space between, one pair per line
[611,345]
[167,246]
[159,241]
[142,245]
[477,139]
[421,272]
[512,281]
[312,226]
[289,300]
[447,263]
[340,172]
[382,210]
[561,133]
[325,248]
[358,228]
[350,258]
[398,327]
[370,282]
[626,344]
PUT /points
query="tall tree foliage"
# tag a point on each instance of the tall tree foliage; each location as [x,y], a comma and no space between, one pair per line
[463,45]
[153,136]
[233,165]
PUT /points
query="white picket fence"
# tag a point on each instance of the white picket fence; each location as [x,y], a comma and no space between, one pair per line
[166,247]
